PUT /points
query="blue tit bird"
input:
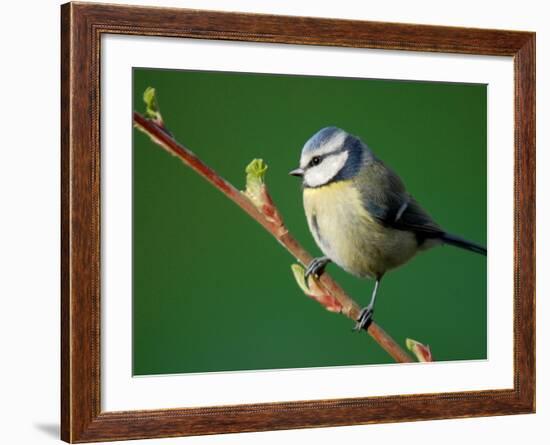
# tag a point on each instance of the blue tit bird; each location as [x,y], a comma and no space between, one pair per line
[360,213]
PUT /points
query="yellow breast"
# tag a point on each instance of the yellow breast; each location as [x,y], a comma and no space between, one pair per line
[349,236]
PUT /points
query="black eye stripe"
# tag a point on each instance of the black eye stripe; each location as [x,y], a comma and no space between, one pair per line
[320,158]
[316,160]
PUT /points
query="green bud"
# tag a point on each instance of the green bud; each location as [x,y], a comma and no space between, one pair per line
[152,110]
[299,275]
[255,173]
[422,352]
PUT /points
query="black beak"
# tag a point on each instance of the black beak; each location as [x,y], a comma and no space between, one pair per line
[297,172]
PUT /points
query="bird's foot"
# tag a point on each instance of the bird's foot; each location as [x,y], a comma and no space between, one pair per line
[365,318]
[316,267]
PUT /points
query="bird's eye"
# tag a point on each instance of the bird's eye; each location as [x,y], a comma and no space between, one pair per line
[315,161]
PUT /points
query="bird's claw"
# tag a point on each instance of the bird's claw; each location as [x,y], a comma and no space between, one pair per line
[365,319]
[316,267]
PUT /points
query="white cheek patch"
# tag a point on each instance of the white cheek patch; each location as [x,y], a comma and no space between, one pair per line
[326,170]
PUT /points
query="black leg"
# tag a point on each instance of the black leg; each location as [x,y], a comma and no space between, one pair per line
[316,267]
[367,313]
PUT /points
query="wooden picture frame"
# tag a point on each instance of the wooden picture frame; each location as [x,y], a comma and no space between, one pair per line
[82,26]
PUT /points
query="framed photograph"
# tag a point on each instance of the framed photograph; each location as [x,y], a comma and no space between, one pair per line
[205,290]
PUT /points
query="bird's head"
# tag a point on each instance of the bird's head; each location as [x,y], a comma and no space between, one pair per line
[331,155]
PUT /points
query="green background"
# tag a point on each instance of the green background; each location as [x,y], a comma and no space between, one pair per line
[213,290]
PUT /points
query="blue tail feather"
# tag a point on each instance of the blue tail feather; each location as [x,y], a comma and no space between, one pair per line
[457,241]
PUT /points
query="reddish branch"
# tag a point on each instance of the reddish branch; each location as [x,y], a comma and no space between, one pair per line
[270,219]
